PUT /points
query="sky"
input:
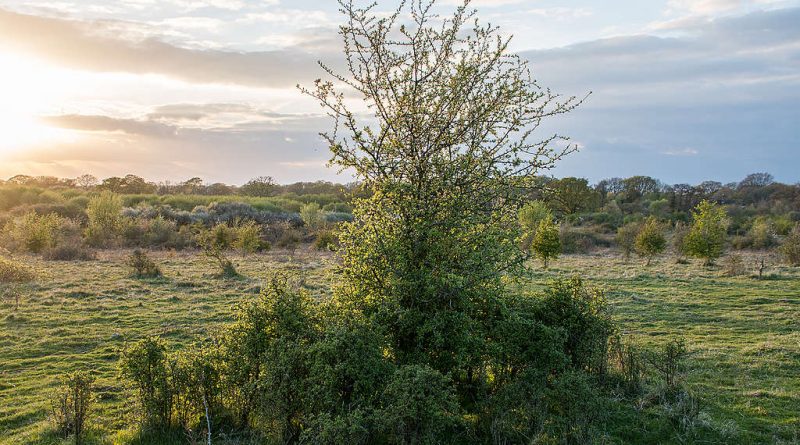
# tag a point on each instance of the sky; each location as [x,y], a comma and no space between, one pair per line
[681,90]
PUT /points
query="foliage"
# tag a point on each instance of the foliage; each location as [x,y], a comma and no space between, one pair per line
[546,243]
[327,240]
[762,234]
[312,216]
[260,186]
[14,272]
[670,361]
[105,221]
[706,238]
[626,238]
[33,232]
[145,365]
[530,215]
[791,247]
[247,238]
[214,242]
[734,265]
[650,240]
[142,265]
[71,404]
[69,252]
[678,242]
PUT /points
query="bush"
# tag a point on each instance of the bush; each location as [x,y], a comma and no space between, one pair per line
[790,249]
[546,244]
[626,238]
[247,238]
[142,265]
[71,404]
[650,240]
[678,242]
[326,240]
[214,242]
[419,407]
[734,265]
[104,213]
[34,233]
[762,234]
[145,365]
[12,272]
[706,238]
[69,252]
[312,215]
[670,361]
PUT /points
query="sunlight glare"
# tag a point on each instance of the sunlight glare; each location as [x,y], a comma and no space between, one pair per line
[28,90]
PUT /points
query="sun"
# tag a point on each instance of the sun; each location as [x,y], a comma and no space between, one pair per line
[29,89]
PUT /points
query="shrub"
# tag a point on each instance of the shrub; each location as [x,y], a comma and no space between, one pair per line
[214,242]
[734,265]
[71,404]
[706,238]
[626,238]
[530,215]
[650,240]
[142,265]
[104,212]
[579,239]
[546,244]
[34,233]
[790,249]
[12,272]
[762,234]
[247,238]
[311,214]
[678,242]
[69,252]
[419,407]
[670,361]
[145,365]
[326,240]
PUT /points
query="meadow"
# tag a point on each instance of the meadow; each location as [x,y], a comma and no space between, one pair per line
[743,333]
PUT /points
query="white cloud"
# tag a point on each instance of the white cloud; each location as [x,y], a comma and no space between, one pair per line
[681,152]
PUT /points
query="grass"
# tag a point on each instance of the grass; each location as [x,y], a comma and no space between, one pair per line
[743,333]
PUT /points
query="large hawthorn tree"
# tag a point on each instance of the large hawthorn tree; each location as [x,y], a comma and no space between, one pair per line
[448,146]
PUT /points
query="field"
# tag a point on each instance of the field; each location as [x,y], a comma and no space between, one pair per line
[743,333]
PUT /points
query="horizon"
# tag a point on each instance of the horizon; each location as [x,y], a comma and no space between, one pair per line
[681,91]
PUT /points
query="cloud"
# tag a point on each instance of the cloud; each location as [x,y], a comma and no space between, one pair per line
[94,46]
[111,124]
[728,88]
[681,152]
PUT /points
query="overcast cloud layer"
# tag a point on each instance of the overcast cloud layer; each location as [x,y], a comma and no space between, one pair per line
[681,90]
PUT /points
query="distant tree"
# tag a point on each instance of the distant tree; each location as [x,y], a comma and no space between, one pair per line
[636,187]
[572,195]
[218,189]
[192,186]
[756,180]
[706,237]
[650,240]
[260,186]
[86,181]
[546,243]
[626,238]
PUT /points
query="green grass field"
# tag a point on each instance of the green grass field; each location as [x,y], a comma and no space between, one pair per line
[743,333]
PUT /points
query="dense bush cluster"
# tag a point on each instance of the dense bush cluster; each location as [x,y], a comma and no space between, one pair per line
[298,371]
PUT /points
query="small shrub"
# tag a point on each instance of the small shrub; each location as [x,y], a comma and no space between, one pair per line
[650,240]
[312,215]
[106,222]
[678,242]
[71,404]
[626,238]
[670,361]
[214,242]
[13,272]
[734,265]
[762,234]
[69,252]
[326,240]
[142,265]
[145,365]
[546,243]
[790,249]
[706,238]
[33,232]
[247,237]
